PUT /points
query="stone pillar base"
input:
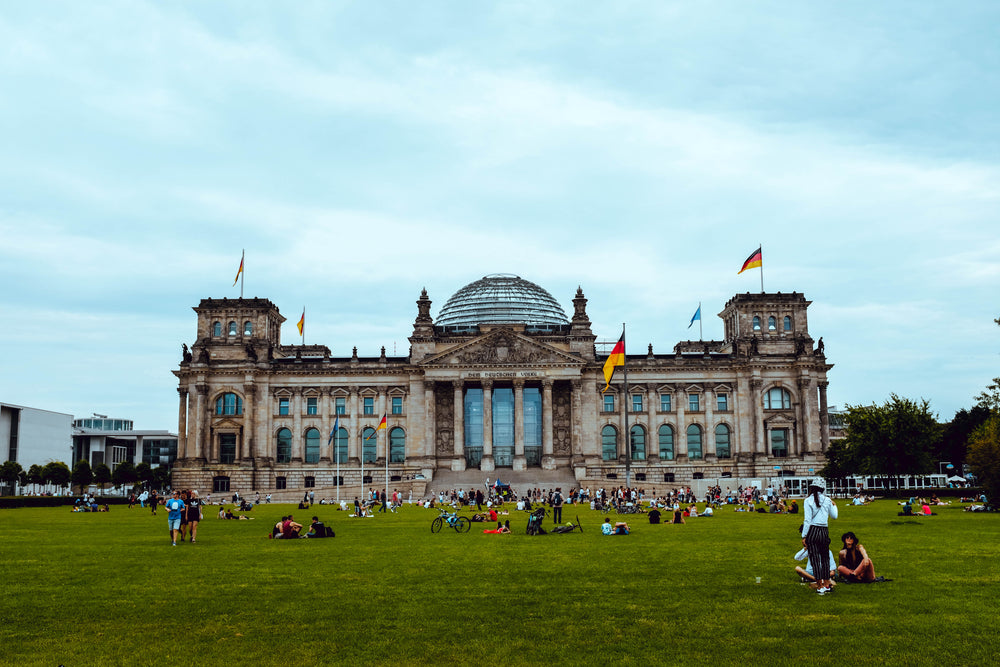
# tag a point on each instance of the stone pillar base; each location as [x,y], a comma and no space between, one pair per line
[548,462]
[520,463]
[458,465]
[487,465]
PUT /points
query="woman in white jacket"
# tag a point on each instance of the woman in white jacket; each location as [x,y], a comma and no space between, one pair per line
[818,510]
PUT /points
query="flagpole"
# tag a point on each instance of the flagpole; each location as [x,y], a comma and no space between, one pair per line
[362,459]
[760,249]
[303,325]
[243,273]
[701,331]
[626,435]
[387,456]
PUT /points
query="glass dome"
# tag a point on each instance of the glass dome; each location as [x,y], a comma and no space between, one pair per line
[501,298]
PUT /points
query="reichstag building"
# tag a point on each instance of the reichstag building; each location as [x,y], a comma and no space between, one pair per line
[501,384]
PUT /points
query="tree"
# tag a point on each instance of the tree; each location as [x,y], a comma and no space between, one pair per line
[102,475]
[984,457]
[124,475]
[161,477]
[83,476]
[840,462]
[144,473]
[893,439]
[955,436]
[35,476]
[57,473]
[9,473]
[990,398]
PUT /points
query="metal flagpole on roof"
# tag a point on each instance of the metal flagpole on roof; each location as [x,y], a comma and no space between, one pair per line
[626,436]
[386,415]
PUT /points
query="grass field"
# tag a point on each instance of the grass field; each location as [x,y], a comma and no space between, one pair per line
[108,589]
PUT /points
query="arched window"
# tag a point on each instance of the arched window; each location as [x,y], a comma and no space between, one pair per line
[368,443]
[788,323]
[248,328]
[340,453]
[217,329]
[284,451]
[229,404]
[777,399]
[772,324]
[312,445]
[722,442]
[232,328]
[637,438]
[609,443]
[756,322]
[666,434]
[694,442]
[397,445]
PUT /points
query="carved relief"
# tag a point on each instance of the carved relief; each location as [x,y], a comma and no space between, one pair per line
[562,426]
[444,420]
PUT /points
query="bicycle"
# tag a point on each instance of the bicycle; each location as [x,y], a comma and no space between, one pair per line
[461,524]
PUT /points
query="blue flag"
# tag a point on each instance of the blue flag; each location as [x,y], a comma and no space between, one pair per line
[336,427]
[696,316]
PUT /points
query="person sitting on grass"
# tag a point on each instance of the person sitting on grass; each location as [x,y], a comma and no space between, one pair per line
[806,574]
[316,528]
[654,515]
[678,516]
[606,527]
[290,529]
[855,565]
[621,528]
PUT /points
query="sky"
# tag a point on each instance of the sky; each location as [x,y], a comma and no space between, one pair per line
[361,152]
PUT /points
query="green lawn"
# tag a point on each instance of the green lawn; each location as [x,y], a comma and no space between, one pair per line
[108,589]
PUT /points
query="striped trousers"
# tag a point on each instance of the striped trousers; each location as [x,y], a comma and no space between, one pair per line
[818,548]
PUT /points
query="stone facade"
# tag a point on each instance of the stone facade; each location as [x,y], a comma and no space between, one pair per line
[256,415]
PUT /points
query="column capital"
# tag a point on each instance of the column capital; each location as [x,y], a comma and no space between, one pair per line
[202,389]
[487,384]
[183,391]
[518,383]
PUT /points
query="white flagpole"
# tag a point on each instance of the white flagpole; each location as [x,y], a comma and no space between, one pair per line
[386,415]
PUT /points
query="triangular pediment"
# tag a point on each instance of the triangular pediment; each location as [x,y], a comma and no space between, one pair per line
[780,419]
[502,347]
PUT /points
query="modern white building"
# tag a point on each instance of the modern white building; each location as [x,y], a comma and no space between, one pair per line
[34,437]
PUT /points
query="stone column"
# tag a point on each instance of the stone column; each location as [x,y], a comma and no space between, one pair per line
[430,420]
[824,417]
[297,435]
[245,451]
[577,421]
[681,436]
[652,437]
[263,409]
[458,463]
[326,445]
[487,462]
[354,442]
[708,446]
[182,452]
[547,462]
[203,448]
[757,399]
[803,435]
[520,463]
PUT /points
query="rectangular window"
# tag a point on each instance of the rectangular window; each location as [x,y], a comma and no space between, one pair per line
[665,403]
[279,482]
[227,447]
[397,405]
[694,402]
[636,402]
[722,402]
[369,405]
[310,482]
[312,406]
[282,406]
[779,442]
[340,405]
[609,403]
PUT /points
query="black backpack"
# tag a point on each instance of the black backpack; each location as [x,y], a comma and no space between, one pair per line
[328,532]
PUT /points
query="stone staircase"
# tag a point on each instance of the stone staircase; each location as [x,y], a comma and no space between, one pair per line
[520,480]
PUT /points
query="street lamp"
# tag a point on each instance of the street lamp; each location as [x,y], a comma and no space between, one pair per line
[947,465]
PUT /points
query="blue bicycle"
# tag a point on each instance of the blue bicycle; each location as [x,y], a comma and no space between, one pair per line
[461,524]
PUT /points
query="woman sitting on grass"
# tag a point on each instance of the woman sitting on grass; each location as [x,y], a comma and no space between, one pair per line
[855,565]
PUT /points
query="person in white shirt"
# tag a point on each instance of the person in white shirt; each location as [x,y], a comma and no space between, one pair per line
[818,510]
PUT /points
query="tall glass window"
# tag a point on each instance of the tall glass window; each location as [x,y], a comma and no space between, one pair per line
[666,435]
[368,445]
[609,443]
[777,399]
[636,402]
[229,404]
[227,447]
[609,403]
[637,439]
[284,450]
[340,452]
[248,328]
[312,406]
[217,331]
[312,445]
[533,426]
[772,324]
[397,405]
[283,406]
[665,403]
[473,426]
[340,405]
[779,442]
[694,442]
[232,328]
[369,405]
[788,323]
[756,323]
[694,402]
[397,445]
[722,441]
[722,402]
[503,426]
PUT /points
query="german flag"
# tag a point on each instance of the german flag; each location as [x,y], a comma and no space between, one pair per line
[242,257]
[616,358]
[302,322]
[381,424]
[755,260]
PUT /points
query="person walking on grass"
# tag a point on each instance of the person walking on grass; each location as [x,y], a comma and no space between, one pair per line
[818,510]
[175,506]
